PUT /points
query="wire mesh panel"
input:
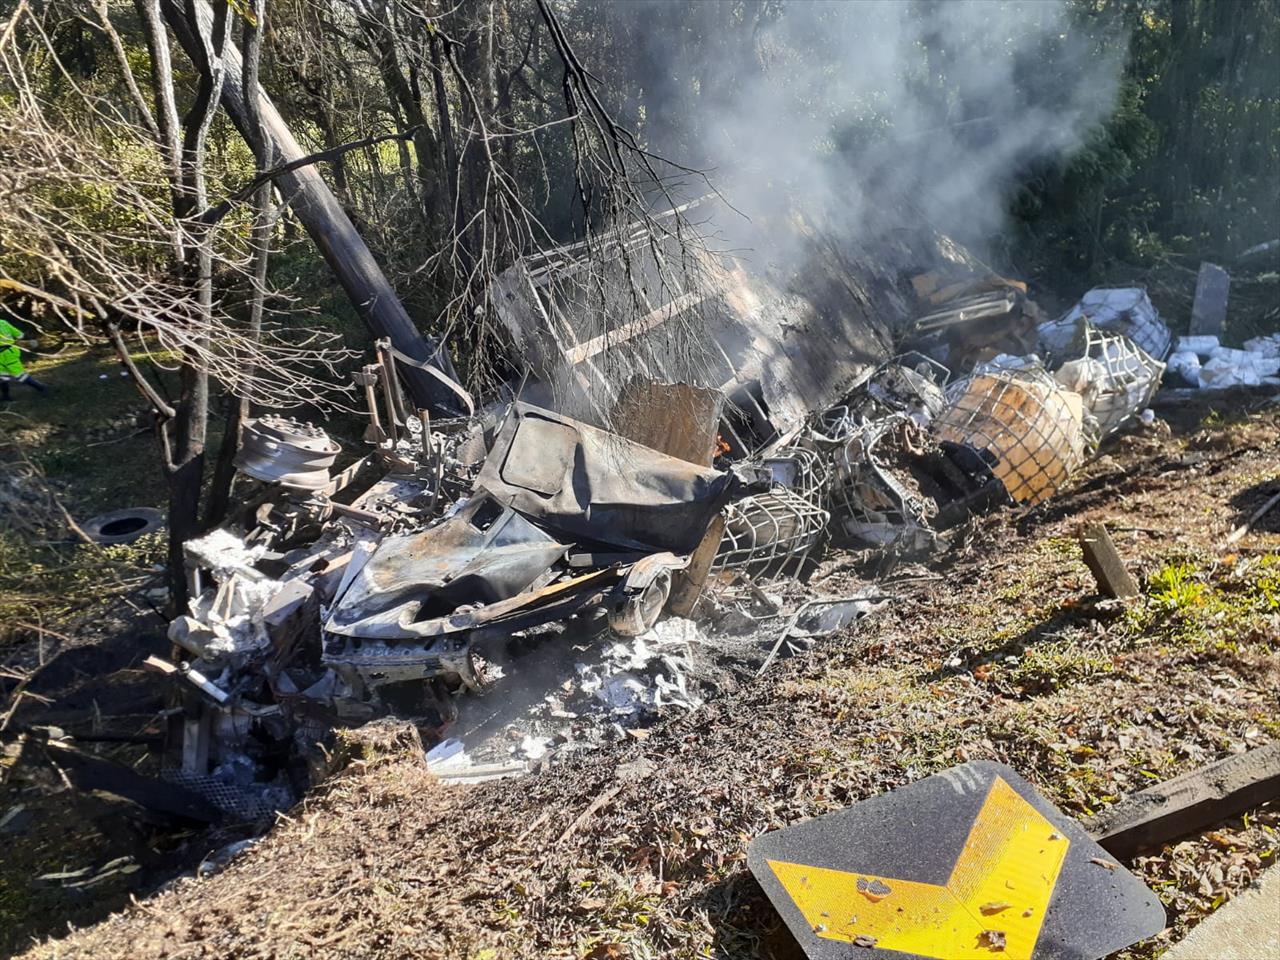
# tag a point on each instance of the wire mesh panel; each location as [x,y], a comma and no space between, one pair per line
[801,467]
[1116,377]
[870,500]
[1033,427]
[242,801]
[770,533]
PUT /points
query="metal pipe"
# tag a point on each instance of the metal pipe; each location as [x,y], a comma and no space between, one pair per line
[388,386]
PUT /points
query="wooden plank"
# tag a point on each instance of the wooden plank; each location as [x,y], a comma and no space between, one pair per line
[627,331]
[92,774]
[1189,803]
[1105,563]
[678,419]
[687,584]
[1209,308]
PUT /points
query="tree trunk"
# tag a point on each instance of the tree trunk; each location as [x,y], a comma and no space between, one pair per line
[449,152]
[329,226]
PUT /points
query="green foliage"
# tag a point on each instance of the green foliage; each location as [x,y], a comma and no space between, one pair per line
[1175,586]
[1207,603]
[44,583]
[1187,163]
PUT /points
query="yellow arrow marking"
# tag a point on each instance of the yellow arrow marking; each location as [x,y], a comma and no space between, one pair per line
[993,904]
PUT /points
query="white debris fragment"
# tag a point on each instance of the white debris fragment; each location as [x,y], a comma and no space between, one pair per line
[450,763]
[1205,363]
[447,754]
[535,748]
[1232,368]
[646,672]
[1186,365]
[1202,346]
[229,620]
[223,553]
[1268,346]
[623,691]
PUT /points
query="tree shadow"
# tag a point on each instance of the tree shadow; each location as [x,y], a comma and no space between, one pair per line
[84,683]
[1251,499]
[1076,615]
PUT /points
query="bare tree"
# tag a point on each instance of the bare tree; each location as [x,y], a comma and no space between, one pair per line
[141,282]
[254,23]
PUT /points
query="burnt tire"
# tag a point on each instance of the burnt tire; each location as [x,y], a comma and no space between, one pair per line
[639,613]
[123,526]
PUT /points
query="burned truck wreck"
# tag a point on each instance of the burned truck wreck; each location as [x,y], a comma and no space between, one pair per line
[565,518]
[602,494]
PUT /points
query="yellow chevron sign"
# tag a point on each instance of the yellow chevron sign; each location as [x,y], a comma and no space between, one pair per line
[969,865]
[997,893]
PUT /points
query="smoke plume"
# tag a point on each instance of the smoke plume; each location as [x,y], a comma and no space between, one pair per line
[860,115]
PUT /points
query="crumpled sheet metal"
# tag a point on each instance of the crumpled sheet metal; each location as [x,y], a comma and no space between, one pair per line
[589,484]
[1116,377]
[1035,429]
[413,583]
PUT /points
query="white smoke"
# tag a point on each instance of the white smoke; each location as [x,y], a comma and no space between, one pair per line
[864,113]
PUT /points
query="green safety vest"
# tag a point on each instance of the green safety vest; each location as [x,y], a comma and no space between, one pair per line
[10,358]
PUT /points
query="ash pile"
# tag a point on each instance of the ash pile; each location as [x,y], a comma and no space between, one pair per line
[551,571]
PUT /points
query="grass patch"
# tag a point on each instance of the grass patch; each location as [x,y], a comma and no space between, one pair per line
[1175,586]
[1193,604]
[86,434]
[43,583]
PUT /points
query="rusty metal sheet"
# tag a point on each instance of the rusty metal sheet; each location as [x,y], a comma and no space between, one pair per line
[679,419]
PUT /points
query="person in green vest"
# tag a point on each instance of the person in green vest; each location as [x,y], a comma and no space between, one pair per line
[11,368]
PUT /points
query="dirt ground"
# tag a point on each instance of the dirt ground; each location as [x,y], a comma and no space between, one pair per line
[1000,651]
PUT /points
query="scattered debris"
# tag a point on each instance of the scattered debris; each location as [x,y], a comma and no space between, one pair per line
[656,534]
[819,618]
[1202,362]
[993,940]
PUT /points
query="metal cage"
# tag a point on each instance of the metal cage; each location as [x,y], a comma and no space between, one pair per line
[868,500]
[770,533]
[1116,377]
[1036,431]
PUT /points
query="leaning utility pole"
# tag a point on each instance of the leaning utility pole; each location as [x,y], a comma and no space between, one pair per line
[319,211]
